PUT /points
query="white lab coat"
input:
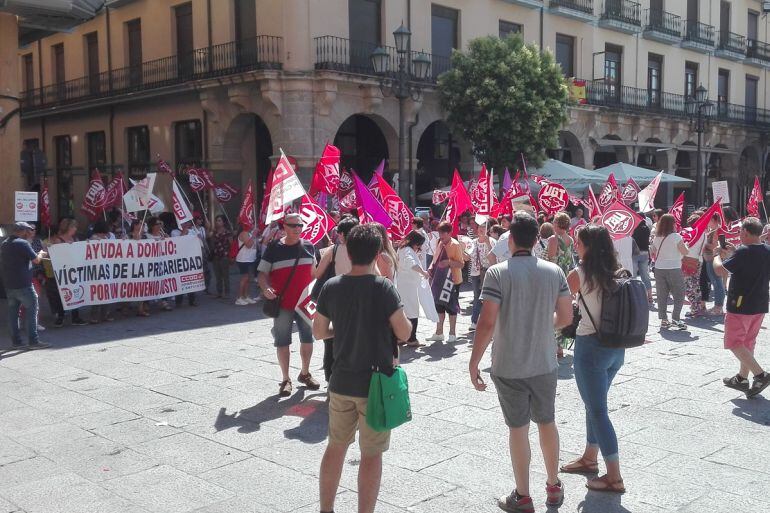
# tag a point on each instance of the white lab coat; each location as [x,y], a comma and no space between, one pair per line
[413,288]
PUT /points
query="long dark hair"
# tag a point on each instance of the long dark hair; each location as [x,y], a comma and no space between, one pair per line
[599,263]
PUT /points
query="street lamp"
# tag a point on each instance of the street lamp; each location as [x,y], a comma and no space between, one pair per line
[403,84]
[699,110]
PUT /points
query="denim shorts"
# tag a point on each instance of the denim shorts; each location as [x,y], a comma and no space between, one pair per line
[282,329]
[246,267]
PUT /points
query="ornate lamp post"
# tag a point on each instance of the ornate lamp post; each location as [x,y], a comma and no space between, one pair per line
[699,109]
[402,84]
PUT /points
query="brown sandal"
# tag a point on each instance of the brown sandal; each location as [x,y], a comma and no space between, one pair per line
[604,484]
[580,466]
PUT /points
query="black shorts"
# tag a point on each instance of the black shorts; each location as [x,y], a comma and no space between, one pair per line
[452,307]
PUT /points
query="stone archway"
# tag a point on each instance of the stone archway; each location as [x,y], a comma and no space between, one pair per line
[652,157]
[608,155]
[438,154]
[362,145]
[248,147]
[570,151]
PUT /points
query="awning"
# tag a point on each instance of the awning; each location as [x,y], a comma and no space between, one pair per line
[640,175]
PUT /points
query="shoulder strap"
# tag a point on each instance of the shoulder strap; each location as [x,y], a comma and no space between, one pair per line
[334,255]
[590,317]
[293,270]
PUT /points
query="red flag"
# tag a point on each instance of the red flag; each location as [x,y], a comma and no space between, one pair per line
[521,187]
[265,200]
[755,198]
[578,202]
[327,172]
[316,221]
[440,196]
[347,192]
[45,205]
[93,202]
[619,220]
[224,192]
[200,179]
[677,210]
[553,197]
[609,192]
[483,195]
[163,167]
[397,210]
[593,205]
[732,232]
[246,214]
[630,192]
[693,234]
[459,202]
[113,196]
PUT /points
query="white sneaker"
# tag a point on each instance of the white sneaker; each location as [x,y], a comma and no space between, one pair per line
[435,338]
[241,302]
[40,327]
[451,338]
[250,300]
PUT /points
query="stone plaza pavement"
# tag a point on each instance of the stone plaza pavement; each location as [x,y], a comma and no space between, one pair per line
[178,413]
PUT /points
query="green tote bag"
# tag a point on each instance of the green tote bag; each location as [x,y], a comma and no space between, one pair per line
[388,405]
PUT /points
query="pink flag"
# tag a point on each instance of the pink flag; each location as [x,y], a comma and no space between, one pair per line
[397,210]
[647,195]
[246,214]
[609,192]
[755,198]
[440,196]
[619,220]
[93,202]
[630,192]
[224,192]
[676,210]
[380,169]
[316,221]
[369,208]
[45,205]
[346,194]
[594,209]
[693,234]
[553,197]
[483,196]
[113,196]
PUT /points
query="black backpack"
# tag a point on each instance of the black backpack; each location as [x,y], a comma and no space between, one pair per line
[625,313]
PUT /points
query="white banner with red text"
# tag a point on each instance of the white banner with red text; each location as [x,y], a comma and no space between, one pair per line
[100,272]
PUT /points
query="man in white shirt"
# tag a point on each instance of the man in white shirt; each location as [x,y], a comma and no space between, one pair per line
[500,252]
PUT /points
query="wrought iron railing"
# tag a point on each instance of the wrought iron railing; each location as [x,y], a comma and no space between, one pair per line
[757,50]
[663,22]
[586,6]
[622,10]
[698,32]
[262,52]
[732,42]
[348,56]
[655,102]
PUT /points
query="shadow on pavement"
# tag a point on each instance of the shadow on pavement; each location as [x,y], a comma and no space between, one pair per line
[601,502]
[677,336]
[755,410]
[314,414]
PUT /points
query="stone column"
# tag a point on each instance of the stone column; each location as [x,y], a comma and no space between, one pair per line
[10,134]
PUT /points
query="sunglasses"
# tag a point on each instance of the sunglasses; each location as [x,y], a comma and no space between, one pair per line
[293,225]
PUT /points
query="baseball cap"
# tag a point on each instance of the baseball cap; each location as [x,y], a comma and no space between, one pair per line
[22,226]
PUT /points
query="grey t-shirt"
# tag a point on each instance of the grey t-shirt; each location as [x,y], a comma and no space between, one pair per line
[526,288]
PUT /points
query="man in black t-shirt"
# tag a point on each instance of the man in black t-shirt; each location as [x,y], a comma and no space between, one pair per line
[747,303]
[366,312]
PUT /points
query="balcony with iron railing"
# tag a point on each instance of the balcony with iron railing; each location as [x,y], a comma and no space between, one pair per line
[731,46]
[648,101]
[757,53]
[698,36]
[622,15]
[348,56]
[576,9]
[259,53]
[662,26]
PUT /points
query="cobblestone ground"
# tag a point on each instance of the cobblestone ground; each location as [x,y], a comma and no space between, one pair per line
[178,413]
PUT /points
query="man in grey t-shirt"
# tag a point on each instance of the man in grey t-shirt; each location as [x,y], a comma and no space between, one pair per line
[524,299]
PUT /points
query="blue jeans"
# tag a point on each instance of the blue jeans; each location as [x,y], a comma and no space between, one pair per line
[282,328]
[476,282]
[717,283]
[28,299]
[642,262]
[595,367]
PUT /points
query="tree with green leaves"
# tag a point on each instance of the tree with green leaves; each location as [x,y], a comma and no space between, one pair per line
[506,98]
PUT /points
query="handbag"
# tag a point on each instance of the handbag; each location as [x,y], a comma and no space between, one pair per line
[690,265]
[388,405]
[328,274]
[571,330]
[272,307]
[232,253]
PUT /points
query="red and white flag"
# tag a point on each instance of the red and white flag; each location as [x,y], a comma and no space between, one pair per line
[327,171]
[246,214]
[677,210]
[630,192]
[113,196]
[578,202]
[459,202]
[45,205]
[224,192]
[755,198]
[285,189]
[619,220]
[316,221]
[93,202]
[265,200]
[483,196]
[693,234]
[163,167]
[647,195]
[553,197]
[609,192]
[179,206]
[200,179]
[346,194]
[397,210]
[594,209]
[440,196]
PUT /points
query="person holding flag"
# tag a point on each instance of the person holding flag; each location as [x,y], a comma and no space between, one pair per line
[667,251]
[446,277]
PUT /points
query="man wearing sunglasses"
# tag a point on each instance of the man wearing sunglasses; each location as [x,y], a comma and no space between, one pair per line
[285,271]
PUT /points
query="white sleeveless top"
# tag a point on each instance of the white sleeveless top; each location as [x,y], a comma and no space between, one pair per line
[593,300]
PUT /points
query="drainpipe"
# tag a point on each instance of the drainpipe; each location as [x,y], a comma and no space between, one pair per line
[542,16]
[109,49]
[208,32]
[40,72]
[112,139]
[411,162]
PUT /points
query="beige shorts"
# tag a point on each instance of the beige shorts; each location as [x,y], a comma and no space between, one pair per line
[346,414]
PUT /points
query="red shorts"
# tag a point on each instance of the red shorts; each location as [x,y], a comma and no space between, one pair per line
[742,330]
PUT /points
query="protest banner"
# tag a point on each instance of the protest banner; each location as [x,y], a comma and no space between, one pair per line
[306,306]
[25,206]
[99,272]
